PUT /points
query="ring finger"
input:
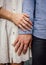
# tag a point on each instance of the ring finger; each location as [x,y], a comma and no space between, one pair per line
[25,26]
[20,49]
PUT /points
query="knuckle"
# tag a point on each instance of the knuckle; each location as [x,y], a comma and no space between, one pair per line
[23,16]
[25,41]
[28,20]
[21,19]
[26,23]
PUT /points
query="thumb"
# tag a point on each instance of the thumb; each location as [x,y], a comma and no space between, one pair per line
[16,41]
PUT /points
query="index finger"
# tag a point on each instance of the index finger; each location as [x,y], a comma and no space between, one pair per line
[26,15]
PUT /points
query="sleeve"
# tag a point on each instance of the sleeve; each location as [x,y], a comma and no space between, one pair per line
[28,7]
[1,3]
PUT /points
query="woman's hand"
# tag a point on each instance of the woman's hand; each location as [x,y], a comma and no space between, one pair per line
[22,21]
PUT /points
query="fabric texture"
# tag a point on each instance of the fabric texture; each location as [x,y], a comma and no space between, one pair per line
[38,51]
[1,3]
[38,8]
[9,33]
[29,9]
[39,28]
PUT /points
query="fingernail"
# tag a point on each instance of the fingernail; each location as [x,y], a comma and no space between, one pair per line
[19,54]
[31,26]
[24,52]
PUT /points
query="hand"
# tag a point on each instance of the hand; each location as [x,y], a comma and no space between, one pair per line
[22,43]
[22,21]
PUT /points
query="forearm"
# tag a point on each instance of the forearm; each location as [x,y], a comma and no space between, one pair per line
[5,14]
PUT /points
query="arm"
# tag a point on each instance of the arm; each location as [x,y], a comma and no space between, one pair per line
[16,18]
[28,8]
[25,40]
[5,14]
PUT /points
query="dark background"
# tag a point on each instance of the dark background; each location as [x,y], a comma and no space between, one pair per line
[28,62]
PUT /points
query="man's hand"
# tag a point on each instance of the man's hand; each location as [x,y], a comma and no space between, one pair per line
[22,43]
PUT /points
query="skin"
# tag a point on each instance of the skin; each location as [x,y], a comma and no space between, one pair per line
[21,20]
[22,43]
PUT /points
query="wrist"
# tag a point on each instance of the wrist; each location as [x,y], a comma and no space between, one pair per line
[13,17]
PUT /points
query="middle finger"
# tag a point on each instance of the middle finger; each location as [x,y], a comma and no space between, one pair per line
[25,26]
[20,49]
[27,23]
[28,20]
[17,46]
